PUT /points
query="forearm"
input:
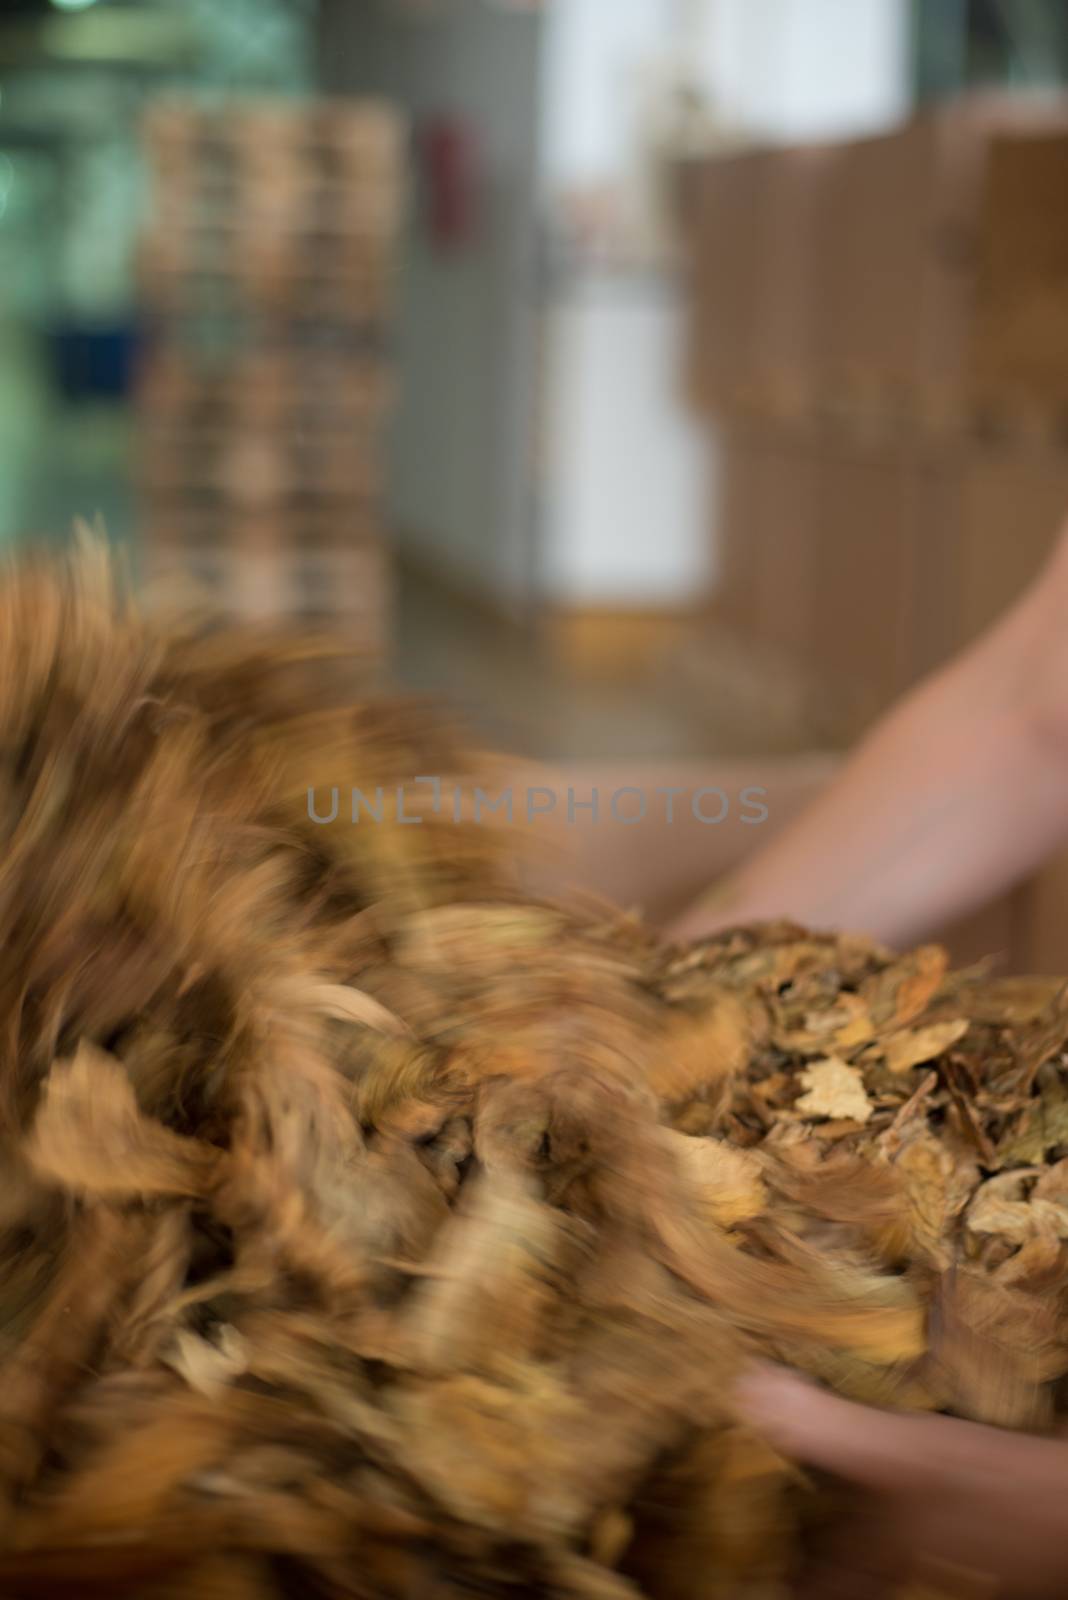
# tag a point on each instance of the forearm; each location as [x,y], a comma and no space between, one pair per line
[956,794]
[700,820]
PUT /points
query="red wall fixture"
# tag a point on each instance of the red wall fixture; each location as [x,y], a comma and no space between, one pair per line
[450,169]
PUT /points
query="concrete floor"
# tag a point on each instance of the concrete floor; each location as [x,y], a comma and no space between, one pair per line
[698,695]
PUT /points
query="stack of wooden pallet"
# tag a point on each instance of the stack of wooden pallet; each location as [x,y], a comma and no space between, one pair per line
[266,280]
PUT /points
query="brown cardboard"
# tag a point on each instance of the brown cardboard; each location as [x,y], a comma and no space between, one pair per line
[874,564]
[996,932]
[755,280]
[736,531]
[959,139]
[888,274]
[1020,352]
[790,224]
[725,308]
[863,571]
[785,495]
[1014,499]
[934,619]
[841,560]
[870,268]
[1042,945]
[900,254]
[919,549]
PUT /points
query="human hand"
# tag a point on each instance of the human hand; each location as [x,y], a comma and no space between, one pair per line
[974,1511]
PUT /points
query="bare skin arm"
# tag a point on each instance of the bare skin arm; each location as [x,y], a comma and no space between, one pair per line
[959,792]
[656,864]
[969,1509]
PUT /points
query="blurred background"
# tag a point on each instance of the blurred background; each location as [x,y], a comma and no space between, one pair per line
[652,378]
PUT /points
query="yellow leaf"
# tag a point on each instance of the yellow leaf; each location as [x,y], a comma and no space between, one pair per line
[911,1048]
[730,1182]
[835,1089]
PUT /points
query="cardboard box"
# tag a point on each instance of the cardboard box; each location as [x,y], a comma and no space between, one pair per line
[998,932]
[935,622]
[864,577]
[724,302]
[786,518]
[1020,356]
[888,275]
[840,561]
[869,564]
[790,225]
[1013,502]
[754,281]
[870,270]
[736,531]
[1042,942]
[872,564]
[902,252]
[919,548]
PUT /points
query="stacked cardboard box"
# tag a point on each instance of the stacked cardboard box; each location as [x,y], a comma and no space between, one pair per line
[869,281]
[757,221]
[881,344]
[872,321]
[266,281]
[1022,284]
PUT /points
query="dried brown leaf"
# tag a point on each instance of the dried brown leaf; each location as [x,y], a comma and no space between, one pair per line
[834,1089]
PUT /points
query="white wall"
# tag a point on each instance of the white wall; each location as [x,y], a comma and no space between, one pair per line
[808,69]
[616,509]
[590,85]
[625,507]
[629,482]
[779,69]
[458,481]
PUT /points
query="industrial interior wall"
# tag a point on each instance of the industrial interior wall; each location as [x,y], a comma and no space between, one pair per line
[458,492]
[625,485]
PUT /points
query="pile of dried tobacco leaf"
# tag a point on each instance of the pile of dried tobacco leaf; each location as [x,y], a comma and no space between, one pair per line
[369,1230]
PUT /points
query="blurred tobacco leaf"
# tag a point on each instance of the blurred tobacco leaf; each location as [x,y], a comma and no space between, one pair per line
[368,1228]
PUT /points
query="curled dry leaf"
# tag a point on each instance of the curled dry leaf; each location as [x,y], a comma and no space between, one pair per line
[345,1004]
[730,1182]
[90,1137]
[834,1089]
[915,1046]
